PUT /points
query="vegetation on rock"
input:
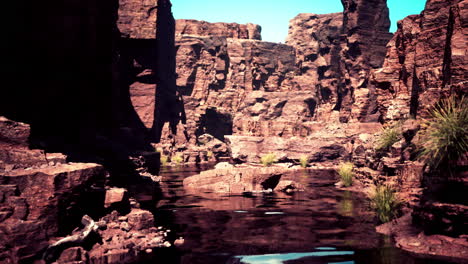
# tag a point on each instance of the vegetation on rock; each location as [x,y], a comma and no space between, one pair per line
[445,135]
[388,137]
[304,161]
[163,159]
[346,173]
[268,159]
[385,203]
[177,159]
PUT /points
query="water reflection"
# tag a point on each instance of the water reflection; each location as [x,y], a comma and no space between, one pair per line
[281,258]
[320,225]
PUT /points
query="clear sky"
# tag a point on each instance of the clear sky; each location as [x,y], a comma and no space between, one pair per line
[274,15]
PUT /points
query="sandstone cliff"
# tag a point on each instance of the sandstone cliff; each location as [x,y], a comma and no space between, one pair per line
[426,59]
[337,55]
[229,30]
[233,84]
[77,61]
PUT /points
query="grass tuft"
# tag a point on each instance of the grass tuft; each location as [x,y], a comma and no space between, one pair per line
[163,159]
[304,161]
[388,137]
[177,159]
[385,203]
[345,170]
[269,159]
[445,135]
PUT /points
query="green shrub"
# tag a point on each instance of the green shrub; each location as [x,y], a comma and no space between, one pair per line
[177,159]
[269,159]
[385,203]
[388,137]
[445,135]
[345,170]
[163,159]
[304,161]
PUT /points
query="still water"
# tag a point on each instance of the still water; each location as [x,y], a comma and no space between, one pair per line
[319,225]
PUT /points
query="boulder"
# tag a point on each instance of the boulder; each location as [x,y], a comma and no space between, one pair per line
[236,180]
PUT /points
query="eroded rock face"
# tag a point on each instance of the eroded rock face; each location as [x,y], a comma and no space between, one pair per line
[40,203]
[237,180]
[319,143]
[229,30]
[216,74]
[316,39]
[335,53]
[137,19]
[426,60]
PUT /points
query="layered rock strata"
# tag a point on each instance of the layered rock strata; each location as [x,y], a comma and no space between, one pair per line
[338,54]
[229,30]
[234,86]
[40,194]
[426,60]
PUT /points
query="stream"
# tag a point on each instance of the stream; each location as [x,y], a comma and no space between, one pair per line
[319,225]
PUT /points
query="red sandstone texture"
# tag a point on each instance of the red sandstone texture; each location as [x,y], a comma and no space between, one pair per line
[218,80]
[229,30]
[426,59]
[43,197]
[245,87]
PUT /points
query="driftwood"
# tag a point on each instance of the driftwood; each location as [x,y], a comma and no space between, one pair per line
[53,250]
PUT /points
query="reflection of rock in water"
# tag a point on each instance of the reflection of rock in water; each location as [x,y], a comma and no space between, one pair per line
[251,225]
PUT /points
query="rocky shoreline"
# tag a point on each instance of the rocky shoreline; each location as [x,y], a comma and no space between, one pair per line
[127,89]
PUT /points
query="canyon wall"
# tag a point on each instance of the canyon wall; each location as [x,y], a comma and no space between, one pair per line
[426,60]
[71,65]
[229,30]
[231,83]
[336,52]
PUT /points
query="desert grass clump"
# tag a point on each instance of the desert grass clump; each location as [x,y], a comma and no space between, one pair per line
[177,159]
[345,170]
[163,159]
[388,137]
[304,161]
[385,203]
[268,159]
[445,135]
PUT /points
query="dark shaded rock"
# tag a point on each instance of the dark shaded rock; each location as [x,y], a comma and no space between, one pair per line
[14,133]
[73,255]
[48,201]
[411,238]
[441,218]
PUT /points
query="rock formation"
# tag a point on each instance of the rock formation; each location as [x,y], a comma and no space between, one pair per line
[233,84]
[80,59]
[426,60]
[338,54]
[229,30]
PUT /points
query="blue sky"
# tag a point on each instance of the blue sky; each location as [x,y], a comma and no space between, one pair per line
[274,15]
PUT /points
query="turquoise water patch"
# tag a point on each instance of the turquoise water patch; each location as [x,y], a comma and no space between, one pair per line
[281,258]
[325,248]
